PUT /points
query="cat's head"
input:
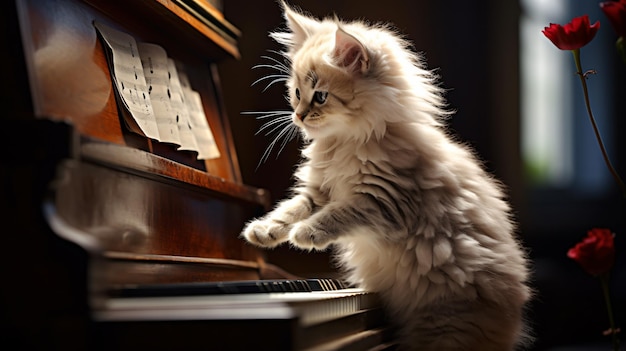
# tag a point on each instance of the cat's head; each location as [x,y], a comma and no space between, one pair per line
[349,79]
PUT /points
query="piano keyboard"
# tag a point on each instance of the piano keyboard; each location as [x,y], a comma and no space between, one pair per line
[308,314]
[229,287]
[309,308]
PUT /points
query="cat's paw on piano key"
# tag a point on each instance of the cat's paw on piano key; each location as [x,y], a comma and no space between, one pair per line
[266,233]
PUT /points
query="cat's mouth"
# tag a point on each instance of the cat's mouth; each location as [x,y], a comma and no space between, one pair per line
[314,126]
[314,118]
[312,121]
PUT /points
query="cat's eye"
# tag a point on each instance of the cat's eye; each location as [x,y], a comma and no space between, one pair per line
[298,93]
[320,97]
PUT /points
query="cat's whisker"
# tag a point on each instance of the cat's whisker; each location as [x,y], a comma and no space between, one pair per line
[275,81]
[275,124]
[267,153]
[288,133]
[277,65]
[271,76]
[282,119]
[285,65]
[281,69]
[282,54]
[280,125]
[291,134]
[267,114]
[279,53]
[277,78]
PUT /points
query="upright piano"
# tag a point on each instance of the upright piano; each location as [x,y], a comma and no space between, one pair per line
[117,240]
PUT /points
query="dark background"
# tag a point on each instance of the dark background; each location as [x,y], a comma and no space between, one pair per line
[474,46]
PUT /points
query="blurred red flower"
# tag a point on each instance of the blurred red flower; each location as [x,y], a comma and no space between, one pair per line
[615,11]
[573,35]
[596,252]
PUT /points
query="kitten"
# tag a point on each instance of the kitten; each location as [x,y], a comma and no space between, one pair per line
[409,212]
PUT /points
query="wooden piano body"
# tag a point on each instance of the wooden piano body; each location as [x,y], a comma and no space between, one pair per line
[89,207]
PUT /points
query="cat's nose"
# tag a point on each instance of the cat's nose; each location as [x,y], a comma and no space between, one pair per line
[302,116]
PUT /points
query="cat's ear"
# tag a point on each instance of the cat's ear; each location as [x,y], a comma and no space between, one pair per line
[301,27]
[349,53]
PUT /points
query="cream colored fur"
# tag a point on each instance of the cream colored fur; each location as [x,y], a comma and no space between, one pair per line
[408,210]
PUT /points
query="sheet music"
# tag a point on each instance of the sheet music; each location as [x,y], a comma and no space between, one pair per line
[156,96]
[129,81]
[207,148]
[187,139]
[155,67]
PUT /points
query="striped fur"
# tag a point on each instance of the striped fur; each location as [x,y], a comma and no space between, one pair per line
[408,210]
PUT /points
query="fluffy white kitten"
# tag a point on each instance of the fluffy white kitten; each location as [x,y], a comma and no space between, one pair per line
[409,212]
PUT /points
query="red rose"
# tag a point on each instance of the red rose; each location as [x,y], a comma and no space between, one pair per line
[615,11]
[596,252]
[573,35]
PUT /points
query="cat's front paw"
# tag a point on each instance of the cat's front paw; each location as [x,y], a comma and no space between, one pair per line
[265,233]
[306,236]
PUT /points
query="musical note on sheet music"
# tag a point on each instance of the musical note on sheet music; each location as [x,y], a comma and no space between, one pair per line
[197,118]
[130,83]
[177,100]
[155,104]
[155,61]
